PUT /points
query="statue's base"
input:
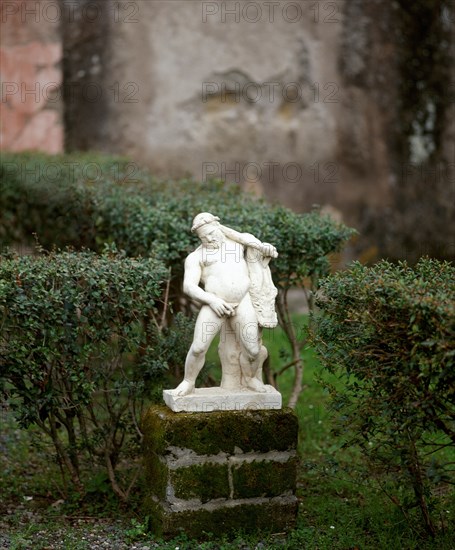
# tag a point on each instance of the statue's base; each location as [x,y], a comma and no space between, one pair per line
[222,472]
[220,399]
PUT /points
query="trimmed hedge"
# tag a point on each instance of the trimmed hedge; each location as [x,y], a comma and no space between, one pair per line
[389,332]
[81,352]
[54,198]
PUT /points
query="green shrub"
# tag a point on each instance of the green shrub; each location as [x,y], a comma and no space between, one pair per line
[54,198]
[64,202]
[81,351]
[389,332]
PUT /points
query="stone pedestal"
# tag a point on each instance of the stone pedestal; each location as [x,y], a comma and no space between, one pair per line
[220,472]
[221,399]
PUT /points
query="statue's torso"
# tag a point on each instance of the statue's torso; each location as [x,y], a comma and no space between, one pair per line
[225,271]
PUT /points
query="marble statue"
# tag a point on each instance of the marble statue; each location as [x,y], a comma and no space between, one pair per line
[229,275]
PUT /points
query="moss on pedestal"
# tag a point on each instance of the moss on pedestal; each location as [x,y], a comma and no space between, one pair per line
[156,475]
[264,478]
[266,518]
[210,433]
[204,481]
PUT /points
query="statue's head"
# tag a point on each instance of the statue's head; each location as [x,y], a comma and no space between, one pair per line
[203,219]
[206,226]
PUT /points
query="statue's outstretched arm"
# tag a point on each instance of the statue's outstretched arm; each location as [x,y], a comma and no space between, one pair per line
[248,240]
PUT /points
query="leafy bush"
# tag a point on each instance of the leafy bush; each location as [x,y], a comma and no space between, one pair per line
[389,332]
[88,200]
[81,351]
[143,214]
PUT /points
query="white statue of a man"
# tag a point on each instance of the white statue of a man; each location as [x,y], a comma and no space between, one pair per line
[229,275]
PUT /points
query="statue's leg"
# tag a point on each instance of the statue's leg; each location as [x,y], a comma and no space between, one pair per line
[208,324]
[253,352]
[229,351]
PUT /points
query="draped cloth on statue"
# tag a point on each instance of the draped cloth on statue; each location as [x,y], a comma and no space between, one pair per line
[262,290]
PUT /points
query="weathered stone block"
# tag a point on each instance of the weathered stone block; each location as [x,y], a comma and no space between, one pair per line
[186,482]
[275,515]
[263,478]
[203,481]
[210,433]
[156,475]
[220,472]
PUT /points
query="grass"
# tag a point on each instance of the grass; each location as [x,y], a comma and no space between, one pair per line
[342,507]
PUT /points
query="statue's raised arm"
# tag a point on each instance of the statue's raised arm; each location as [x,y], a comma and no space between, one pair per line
[248,240]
